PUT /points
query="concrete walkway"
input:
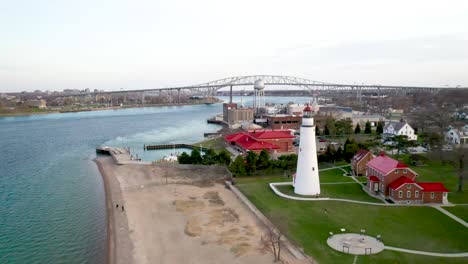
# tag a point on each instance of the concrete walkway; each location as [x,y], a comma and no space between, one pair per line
[454,217]
[447,255]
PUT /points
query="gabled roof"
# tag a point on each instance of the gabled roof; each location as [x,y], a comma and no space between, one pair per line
[360,154]
[433,187]
[383,163]
[270,134]
[396,125]
[400,182]
[234,137]
[248,142]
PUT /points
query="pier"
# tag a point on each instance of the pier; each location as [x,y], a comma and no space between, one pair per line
[119,155]
[173,146]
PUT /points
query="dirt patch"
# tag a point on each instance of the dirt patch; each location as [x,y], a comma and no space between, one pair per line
[240,249]
[188,206]
[222,216]
[203,184]
[214,198]
[193,228]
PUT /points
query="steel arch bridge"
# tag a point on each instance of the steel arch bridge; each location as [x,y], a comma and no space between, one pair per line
[282,80]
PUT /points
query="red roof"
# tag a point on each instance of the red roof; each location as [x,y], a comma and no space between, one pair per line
[270,134]
[385,164]
[399,182]
[307,109]
[433,187]
[360,154]
[374,178]
[247,142]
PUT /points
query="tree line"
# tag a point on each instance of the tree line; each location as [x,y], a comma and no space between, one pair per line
[345,127]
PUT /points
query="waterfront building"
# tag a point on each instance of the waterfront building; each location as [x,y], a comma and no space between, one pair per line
[274,141]
[306,180]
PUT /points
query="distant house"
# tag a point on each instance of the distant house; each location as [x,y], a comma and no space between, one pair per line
[457,135]
[257,140]
[393,128]
[394,181]
[359,161]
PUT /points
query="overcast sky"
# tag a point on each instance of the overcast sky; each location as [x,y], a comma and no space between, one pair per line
[113,44]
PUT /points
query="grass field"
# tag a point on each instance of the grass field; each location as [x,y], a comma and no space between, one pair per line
[342,191]
[435,171]
[418,228]
[459,210]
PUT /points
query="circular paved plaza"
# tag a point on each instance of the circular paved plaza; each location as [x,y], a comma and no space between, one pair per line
[355,244]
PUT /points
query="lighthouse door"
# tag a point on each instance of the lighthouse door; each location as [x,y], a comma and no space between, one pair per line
[376,186]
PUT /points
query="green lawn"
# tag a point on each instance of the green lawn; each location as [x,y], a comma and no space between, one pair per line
[334,175]
[342,191]
[216,144]
[418,228]
[459,210]
[435,171]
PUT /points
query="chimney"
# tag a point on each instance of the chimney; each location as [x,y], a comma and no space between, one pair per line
[382,154]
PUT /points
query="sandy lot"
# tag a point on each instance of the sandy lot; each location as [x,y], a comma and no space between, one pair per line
[181,223]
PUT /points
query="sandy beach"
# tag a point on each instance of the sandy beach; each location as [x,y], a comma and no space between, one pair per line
[171,218]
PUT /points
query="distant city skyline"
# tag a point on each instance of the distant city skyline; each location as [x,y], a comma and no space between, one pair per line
[109,45]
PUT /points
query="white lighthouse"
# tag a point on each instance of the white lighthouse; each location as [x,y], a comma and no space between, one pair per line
[307,180]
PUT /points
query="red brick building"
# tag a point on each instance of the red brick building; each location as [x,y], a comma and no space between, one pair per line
[284,121]
[359,161]
[393,180]
[257,140]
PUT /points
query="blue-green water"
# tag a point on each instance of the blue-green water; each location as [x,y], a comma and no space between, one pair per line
[52,204]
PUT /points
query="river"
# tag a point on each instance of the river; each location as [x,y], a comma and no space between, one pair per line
[52,203]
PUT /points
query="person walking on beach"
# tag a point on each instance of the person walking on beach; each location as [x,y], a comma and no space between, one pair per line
[117,206]
[123,209]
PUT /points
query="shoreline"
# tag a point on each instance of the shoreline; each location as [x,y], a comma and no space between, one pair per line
[119,244]
[18,114]
[110,247]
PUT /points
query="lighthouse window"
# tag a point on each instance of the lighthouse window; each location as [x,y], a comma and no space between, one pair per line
[313,169]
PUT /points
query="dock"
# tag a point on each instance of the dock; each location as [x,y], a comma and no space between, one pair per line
[121,156]
[173,146]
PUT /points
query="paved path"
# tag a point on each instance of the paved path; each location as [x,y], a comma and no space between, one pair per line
[335,167]
[448,255]
[454,217]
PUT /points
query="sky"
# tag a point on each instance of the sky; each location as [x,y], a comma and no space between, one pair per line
[143,44]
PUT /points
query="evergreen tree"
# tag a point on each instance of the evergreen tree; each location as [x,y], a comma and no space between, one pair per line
[263,161]
[209,157]
[330,153]
[238,166]
[379,129]
[251,162]
[357,130]
[317,131]
[339,154]
[195,157]
[368,129]
[326,131]
[350,148]
[223,157]
[184,158]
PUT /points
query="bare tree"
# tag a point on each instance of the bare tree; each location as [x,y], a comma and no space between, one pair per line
[458,158]
[272,241]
